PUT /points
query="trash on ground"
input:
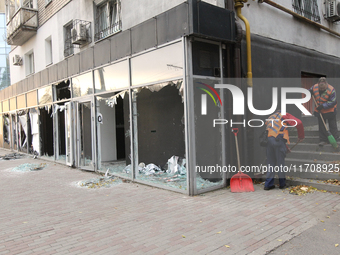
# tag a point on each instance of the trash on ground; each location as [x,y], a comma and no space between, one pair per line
[101,182]
[173,174]
[302,190]
[12,156]
[27,167]
[333,181]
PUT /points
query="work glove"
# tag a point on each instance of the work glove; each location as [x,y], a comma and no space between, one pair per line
[320,107]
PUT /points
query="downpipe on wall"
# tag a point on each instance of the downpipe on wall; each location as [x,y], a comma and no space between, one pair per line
[248,135]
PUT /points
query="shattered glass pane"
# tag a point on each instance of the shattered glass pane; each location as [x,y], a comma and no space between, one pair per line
[116,169]
[22,131]
[174,176]
[208,138]
[27,167]
[6,131]
[100,182]
[159,144]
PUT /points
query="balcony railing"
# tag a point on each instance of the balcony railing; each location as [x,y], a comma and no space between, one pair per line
[108,30]
[22,26]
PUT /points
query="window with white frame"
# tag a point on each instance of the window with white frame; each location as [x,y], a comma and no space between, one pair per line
[29,63]
[12,6]
[68,46]
[28,4]
[307,8]
[48,51]
[108,18]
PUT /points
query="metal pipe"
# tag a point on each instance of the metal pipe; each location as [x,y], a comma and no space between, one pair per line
[280,7]
[238,6]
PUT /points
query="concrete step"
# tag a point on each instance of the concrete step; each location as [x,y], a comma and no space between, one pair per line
[295,181]
[307,133]
[313,147]
[314,155]
[308,139]
[313,175]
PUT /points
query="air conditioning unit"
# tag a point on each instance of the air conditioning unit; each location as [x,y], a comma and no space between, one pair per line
[17,60]
[79,34]
[333,10]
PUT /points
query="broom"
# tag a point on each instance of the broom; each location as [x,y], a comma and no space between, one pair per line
[330,137]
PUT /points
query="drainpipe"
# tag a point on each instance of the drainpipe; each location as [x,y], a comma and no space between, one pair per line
[238,6]
[248,135]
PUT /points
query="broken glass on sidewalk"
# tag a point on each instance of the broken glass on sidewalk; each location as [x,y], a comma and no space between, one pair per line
[101,182]
[27,167]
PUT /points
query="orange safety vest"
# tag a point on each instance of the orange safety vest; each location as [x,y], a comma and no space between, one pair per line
[275,126]
[320,99]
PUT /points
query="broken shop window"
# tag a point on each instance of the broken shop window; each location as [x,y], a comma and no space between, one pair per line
[46,135]
[33,133]
[22,131]
[158,124]
[60,144]
[14,131]
[62,90]
[1,130]
[113,129]
[6,131]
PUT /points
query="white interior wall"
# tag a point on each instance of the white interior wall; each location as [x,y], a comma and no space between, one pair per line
[108,132]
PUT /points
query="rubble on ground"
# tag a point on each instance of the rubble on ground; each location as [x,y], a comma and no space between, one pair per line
[12,156]
[27,167]
[100,182]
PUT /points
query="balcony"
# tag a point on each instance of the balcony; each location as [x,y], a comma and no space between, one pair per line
[22,26]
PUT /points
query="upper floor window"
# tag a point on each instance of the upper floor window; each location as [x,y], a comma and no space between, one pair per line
[307,8]
[29,63]
[12,6]
[48,51]
[28,4]
[108,18]
[68,46]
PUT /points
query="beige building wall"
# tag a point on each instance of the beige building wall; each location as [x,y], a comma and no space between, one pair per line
[2,6]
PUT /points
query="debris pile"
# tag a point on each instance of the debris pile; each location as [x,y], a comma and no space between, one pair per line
[302,190]
[29,167]
[101,182]
[12,156]
[333,181]
[173,174]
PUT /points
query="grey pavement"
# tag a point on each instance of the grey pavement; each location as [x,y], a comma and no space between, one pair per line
[45,212]
[323,238]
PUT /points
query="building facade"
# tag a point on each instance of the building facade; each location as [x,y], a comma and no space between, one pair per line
[5,79]
[121,86]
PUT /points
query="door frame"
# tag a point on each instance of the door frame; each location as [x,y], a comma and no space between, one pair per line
[77,132]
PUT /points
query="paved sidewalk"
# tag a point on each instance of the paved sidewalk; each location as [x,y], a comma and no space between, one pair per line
[44,212]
